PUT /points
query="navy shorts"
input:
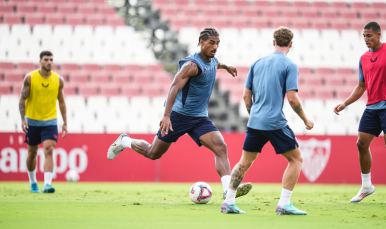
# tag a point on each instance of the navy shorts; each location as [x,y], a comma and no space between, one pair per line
[373,122]
[38,134]
[182,124]
[283,140]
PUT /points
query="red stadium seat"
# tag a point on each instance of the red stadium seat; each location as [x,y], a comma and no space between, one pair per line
[58,1]
[14,77]
[91,67]
[130,90]
[78,1]
[280,22]
[88,90]
[71,67]
[87,9]
[121,77]
[66,9]
[334,82]
[261,3]
[95,20]
[310,14]
[189,12]
[290,13]
[359,5]
[300,23]
[12,19]
[349,15]
[352,82]
[4,66]
[110,90]
[324,71]
[250,13]
[260,23]
[369,16]
[6,9]
[152,90]
[344,71]
[112,67]
[339,5]
[313,82]
[378,5]
[100,77]
[75,20]
[106,10]
[132,68]
[230,12]
[69,90]
[305,93]
[25,66]
[38,1]
[357,25]
[163,79]
[281,4]
[320,25]
[143,80]
[330,14]
[220,23]
[201,2]
[54,19]
[305,71]
[154,68]
[343,94]
[34,19]
[115,21]
[46,8]
[201,23]
[5,89]
[300,4]
[271,13]
[79,77]
[339,25]
[324,94]
[182,2]
[17,1]
[220,2]
[239,23]
[176,25]
[26,8]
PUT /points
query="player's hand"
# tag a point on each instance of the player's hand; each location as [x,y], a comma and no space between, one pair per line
[165,125]
[64,130]
[24,125]
[232,70]
[309,124]
[339,108]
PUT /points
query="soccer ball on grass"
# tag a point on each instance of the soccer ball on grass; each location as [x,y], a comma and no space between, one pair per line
[200,193]
[72,175]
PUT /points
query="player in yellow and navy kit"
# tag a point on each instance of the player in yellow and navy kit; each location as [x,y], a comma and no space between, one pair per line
[37,106]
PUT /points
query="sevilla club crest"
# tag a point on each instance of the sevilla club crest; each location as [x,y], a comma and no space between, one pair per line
[315,157]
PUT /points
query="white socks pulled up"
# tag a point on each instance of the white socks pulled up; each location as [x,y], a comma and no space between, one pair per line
[126,142]
[366,180]
[32,176]
[231,195]
[285,197]
[47,178]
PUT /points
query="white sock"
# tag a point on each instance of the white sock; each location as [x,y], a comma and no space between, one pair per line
[225,180]
[47,178]
[126,142]
[32,176]
[366,180]
[285,197]
[231,195]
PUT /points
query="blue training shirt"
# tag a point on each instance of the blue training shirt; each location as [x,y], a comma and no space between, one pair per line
[270,78]
[193,99]
[376,106]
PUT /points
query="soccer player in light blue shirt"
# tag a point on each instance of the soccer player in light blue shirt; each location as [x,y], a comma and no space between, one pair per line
[269,80]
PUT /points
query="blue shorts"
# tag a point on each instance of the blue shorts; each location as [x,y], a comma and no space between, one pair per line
[283,140]
[38,134]
[373,122]
[182,124]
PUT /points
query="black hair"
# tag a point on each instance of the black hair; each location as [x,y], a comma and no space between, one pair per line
[45,53]
[204,34]
[373,26]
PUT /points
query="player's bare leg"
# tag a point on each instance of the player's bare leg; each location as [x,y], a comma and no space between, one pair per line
[290,177]
[365,161]
[48,146]
[237,176]
[215,142]
[152,151]
[31,166]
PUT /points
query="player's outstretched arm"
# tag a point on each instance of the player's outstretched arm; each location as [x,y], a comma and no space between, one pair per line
[247,96]
[62,107]
[355,95]
[188,69]
[296,105]
[230,69]
[23,96]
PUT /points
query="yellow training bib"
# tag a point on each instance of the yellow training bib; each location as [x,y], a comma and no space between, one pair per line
[41,102]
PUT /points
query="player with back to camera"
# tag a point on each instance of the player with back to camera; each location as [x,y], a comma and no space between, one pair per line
[372,77]
[269,79]
[37,106]
[186,111]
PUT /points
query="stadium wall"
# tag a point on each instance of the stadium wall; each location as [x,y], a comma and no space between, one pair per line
[327,159]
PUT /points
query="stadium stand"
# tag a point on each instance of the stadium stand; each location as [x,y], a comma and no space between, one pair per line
[111,73]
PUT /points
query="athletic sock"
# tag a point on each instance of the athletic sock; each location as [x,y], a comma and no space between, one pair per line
[32,176]
[231,195]
[126,142]
[47,178]
[225,180]
[285,197]
[366,180]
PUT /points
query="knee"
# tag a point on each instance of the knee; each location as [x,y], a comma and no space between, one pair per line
[298,161]
[154,155]
[361,145]
[221,149]
[48,150]
[32,153]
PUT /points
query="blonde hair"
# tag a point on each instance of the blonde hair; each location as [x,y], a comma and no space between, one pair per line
[283,36]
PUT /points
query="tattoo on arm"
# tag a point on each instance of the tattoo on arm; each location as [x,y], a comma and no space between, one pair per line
[24,95]
[237,176]
[298,109]
[248,108]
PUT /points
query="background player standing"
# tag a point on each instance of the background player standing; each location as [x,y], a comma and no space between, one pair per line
[269,79]
[37,106]
[186,111]
[372,77]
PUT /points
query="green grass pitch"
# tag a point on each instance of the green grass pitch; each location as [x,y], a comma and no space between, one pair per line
[167,205]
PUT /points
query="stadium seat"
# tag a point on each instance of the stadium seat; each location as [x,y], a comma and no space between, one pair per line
[35,19]
[26,8]
[88,90]
[46,8]
[130,90]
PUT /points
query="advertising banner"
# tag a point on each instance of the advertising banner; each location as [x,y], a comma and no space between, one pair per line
[327,159]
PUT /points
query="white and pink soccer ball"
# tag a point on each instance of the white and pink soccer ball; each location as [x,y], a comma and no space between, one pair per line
[72,176]
[200,193]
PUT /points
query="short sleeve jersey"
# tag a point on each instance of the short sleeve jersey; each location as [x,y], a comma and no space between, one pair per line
[270,78]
